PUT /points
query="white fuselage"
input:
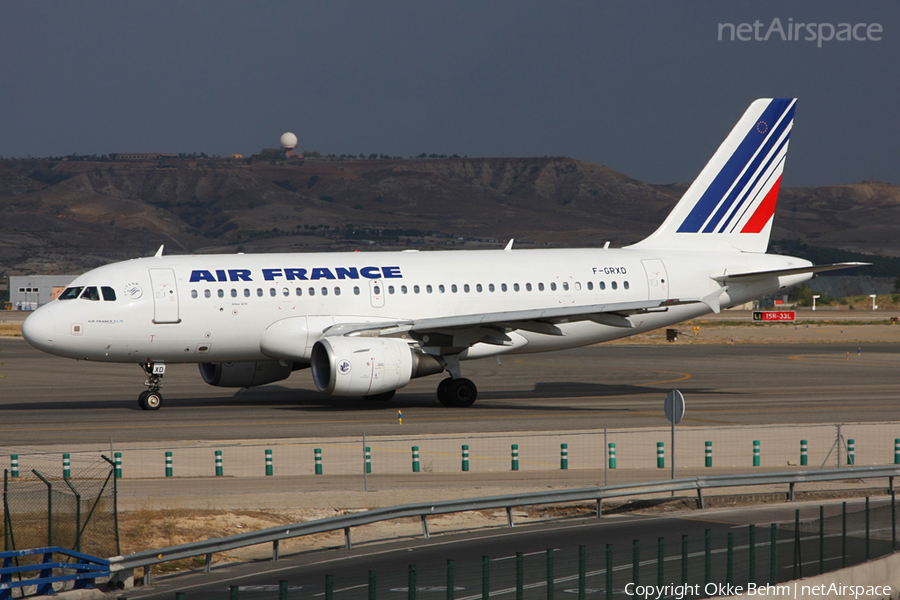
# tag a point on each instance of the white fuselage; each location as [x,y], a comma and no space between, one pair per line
[217,308]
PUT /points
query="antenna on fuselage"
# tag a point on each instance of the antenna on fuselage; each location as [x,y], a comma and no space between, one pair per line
[159,252]
[509,245]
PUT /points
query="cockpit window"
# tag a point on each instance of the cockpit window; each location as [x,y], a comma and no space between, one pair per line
[109,294]
[90,293]
[70,293]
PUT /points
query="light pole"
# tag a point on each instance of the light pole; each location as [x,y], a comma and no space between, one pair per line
[872,296]
[814,300]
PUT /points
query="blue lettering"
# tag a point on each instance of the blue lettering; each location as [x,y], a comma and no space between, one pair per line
[391,272]
[201,275]
[220,273]
[271,274]
[370,272]
[239,274]
[347,273]
[293,274]
[321,273]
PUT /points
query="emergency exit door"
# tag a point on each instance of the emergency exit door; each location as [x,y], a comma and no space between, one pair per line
[165,296]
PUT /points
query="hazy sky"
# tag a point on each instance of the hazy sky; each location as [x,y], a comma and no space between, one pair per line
[646,88]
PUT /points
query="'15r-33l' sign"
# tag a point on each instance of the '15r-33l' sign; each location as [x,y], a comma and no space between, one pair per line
[773,316]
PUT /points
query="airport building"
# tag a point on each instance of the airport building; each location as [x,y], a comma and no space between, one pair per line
[27,292]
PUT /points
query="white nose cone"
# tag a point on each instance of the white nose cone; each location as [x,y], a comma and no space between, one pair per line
[39,329]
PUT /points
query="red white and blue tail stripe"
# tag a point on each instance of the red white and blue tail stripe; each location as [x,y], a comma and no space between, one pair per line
[732,201]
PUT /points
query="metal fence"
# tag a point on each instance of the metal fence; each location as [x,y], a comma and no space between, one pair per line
[694,566]
[615,455]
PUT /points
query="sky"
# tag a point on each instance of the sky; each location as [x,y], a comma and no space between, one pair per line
[646,88]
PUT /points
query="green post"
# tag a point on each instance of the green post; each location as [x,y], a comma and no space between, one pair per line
[609,572]
[329,587]
[270,467]
[660,455]
[851,452]
[612,455]
[412,585]
[118,463]
[897,451]
[220,471]
[415,459]
[485,578]
[179,595]
[755,453]
[660,561]
[465,457]
[234,592]
[451,579]
[635,561]
[6,531]
[708,462]
[368,460]
[14,465]
[804,459]
[168,463]
[564,456]
[551,580]
[282,589]
[372,585]
[773,553]
[582,572]
[515,457]
[520,576]
[318,453]
[67,466]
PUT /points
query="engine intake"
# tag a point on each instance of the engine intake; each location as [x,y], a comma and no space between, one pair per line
[362,366]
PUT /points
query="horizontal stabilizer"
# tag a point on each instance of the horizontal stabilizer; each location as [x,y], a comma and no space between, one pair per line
[794,271]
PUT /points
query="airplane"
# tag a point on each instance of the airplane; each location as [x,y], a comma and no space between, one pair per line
[368,323]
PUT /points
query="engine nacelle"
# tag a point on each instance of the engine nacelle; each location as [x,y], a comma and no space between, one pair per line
[363,366]
[245,374]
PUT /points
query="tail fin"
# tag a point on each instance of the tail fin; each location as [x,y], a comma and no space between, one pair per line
[731,203]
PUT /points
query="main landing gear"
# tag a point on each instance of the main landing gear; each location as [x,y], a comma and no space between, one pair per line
[151,399]
[456,390]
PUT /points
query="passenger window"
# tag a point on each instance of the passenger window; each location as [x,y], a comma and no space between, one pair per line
[356,290]
[234,293]
[441,288]
[207,294]
[194,293]
[298,292]
[259,292]
[246,292]
[590,285]
[415,289]
[220,293]
[312,291]
[376,289]
[90,293]
[552,286]
[391,290]
[403,289]
[109,294]
[502,287]
[490,287]
[466,288]
[70,293]
[324,291]
[285,292]
[528,287]
[516,287]
[540,287]
[614,285]
[577,286]
[272,292]
[625,284]
[479,288]
[337,291]
[566,285]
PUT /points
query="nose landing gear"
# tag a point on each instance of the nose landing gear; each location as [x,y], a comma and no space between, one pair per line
[151,399]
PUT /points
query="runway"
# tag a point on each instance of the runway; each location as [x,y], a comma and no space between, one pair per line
[612,385]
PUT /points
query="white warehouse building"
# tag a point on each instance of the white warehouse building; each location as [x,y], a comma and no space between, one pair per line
[27,292]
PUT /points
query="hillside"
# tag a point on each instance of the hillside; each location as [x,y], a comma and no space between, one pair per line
[67,216]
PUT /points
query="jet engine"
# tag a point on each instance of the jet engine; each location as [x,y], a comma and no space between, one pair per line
[365,366]
[246,374]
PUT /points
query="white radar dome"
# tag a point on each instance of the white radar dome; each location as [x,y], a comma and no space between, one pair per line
[288,140]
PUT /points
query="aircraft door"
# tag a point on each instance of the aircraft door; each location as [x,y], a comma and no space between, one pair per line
[376,292]
[165,296]
[657,279]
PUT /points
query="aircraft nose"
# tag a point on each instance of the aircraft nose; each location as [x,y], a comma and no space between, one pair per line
[39,329]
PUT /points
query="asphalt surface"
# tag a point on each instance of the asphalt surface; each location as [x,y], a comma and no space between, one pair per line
[612,385]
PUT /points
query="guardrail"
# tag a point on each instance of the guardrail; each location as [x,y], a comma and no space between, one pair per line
[273,535]
[87,568]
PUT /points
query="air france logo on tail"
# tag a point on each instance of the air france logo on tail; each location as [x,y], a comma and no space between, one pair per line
[741,196]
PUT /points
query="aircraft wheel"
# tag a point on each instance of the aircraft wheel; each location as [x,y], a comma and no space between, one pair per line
[150,400]
[381,397]
[443,393]
[462,393]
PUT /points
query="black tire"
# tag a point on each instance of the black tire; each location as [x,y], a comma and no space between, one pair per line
[462,393]
[381,397]
[150,400]
[443,394]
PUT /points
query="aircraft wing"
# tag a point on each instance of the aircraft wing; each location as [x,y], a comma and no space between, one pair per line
[794,271]
[541,320]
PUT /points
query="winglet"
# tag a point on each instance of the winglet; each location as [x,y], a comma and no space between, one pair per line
[159,252]
[509,245]
[712,300]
